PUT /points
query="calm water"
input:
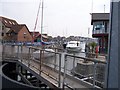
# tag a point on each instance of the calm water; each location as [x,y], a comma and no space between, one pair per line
[55,59]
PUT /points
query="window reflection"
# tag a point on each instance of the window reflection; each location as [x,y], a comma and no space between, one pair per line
[99,27]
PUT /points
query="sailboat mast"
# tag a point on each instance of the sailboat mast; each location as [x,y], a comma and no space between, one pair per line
[36,20]
[42,20]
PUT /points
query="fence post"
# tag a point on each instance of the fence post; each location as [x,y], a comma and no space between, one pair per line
[74,63]
[40,62]
[106,68]
[21,52]
[65,65]
[3,51]
[59,85]
[29,58]
[94,74]
[18,52]
[55,60]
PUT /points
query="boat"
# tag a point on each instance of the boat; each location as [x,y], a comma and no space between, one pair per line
[73,46]
[47,52]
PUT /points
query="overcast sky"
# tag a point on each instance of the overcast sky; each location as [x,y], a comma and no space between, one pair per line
[61,17]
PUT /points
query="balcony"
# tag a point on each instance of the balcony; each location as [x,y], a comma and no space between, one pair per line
[99,32]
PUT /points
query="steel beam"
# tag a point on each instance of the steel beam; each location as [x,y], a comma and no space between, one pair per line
[38,76]
[24,79]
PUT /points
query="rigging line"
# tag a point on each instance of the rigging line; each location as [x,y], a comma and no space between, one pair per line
[36,20]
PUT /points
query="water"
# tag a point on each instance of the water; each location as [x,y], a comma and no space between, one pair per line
[53,61]
[70,60]
[50,61]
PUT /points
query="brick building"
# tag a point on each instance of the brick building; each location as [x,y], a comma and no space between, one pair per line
[10,30]
[19,33]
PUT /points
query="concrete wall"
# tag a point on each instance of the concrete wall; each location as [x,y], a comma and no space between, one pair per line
[84,68]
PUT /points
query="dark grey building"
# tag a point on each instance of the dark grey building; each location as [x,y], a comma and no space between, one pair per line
[100,22]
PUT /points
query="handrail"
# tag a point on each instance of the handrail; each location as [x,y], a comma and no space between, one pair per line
[62,56]
[89,59]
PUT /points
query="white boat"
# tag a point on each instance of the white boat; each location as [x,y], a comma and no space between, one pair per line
[73,46]
[45,54]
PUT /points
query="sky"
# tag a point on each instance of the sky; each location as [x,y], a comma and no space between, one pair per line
[60,17]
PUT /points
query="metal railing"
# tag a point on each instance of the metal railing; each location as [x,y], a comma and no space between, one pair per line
[60,66]
[87,71]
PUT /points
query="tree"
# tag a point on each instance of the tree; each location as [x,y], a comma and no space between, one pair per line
[92,45]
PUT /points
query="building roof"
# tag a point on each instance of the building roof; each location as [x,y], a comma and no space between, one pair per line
[99,17]
[44,36]
[36,33]
[16,28]
[8,22]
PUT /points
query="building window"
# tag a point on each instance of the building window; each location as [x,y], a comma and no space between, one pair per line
[99,27]
[13,33]
[13,23]
[2,27]
[5,21]
[2,34]
[24,34]
[10,22]
[106,27]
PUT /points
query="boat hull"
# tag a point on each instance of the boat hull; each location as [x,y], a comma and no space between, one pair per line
[69,49]
[73,46]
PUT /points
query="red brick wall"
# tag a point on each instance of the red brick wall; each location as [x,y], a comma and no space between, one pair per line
[22,37]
